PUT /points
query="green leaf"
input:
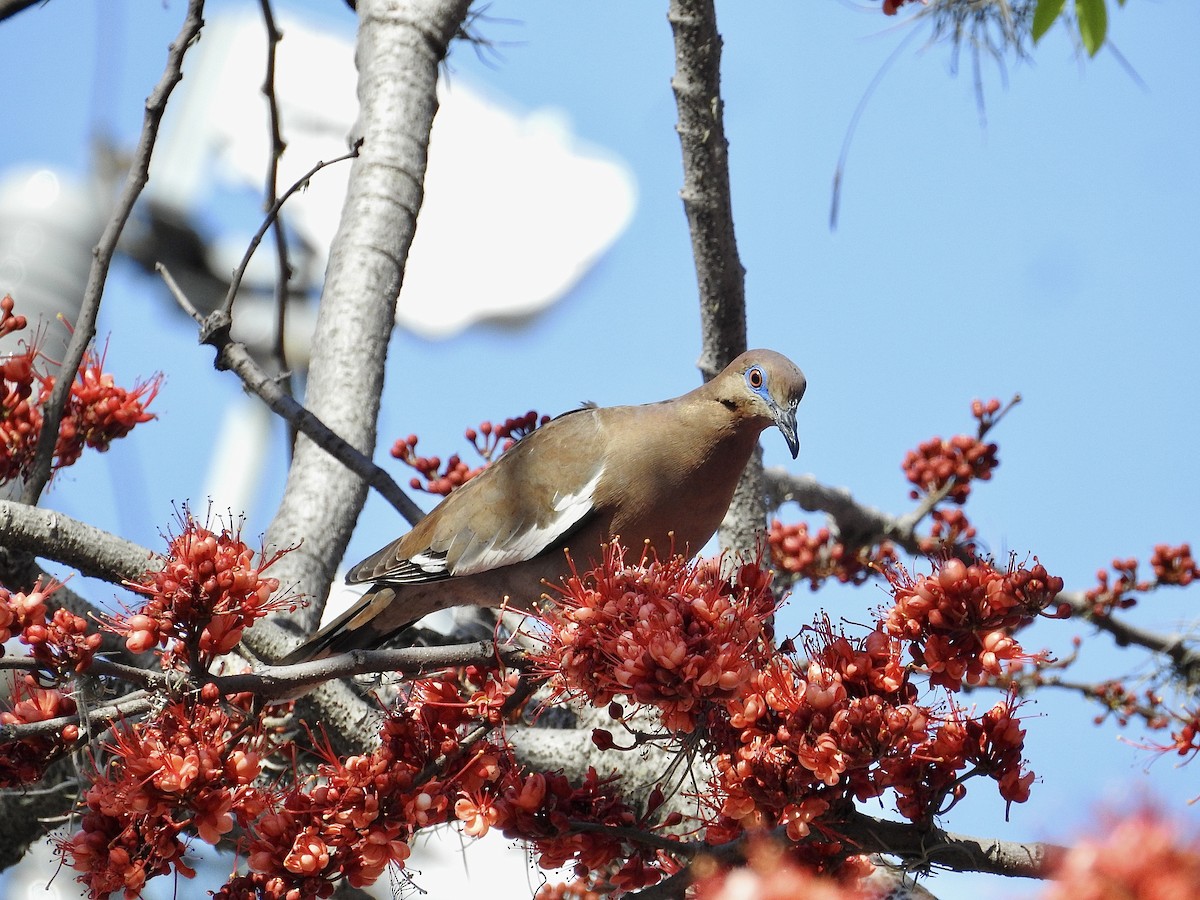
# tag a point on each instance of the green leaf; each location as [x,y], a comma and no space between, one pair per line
[1093,23]
[1043,17]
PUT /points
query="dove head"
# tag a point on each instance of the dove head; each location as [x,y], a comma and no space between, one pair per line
[765,386]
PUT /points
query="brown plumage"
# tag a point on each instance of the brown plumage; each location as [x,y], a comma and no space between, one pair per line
[640,472]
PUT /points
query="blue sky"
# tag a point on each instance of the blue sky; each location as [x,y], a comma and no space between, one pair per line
[1051,252]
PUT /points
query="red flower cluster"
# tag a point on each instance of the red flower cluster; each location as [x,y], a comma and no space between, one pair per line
[189,768]
[1123,703]
[58,640]
[23,762]
[938,463]
[961,618]
[206,594]
[672,634]
[1106,596]
[1143,856]
[489,441]
[1174,565]
[541,807]
[803,738]
[932,774]
[97,412]
[360,815]
[820,556]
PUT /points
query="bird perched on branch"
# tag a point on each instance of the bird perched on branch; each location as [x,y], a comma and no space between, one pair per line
[663,472]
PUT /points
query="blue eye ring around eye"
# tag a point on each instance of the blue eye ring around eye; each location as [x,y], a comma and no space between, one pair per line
[755,378]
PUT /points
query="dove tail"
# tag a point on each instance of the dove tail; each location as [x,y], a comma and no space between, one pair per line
[358,628]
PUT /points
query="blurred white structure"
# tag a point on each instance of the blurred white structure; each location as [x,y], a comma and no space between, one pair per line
[516,208]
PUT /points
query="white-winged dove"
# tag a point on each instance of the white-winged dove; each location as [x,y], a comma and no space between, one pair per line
[664,472]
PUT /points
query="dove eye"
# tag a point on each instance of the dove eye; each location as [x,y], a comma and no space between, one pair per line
[754,377]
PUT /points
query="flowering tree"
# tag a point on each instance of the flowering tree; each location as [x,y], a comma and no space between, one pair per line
[674,669]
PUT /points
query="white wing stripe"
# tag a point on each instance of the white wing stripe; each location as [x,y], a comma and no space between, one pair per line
[505,550]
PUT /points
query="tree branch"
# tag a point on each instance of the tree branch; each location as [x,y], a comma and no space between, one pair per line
[85,327]
[400,45]
[919,848]
[1184,659]
[856,524]
[90,550]
[234,357]
[9,8]
[709,209]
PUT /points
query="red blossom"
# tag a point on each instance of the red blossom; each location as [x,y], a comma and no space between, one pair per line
[669,633]
[1174,565]
[1142,856]
[24,762]
[97,412]
[960,619]
[189,768]
[489,442]
[821,556]
[208,591]
[60,640]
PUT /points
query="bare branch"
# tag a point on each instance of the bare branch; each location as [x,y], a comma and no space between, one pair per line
[1184,659]
[85,327]
[709,210]
[276,682]
[283,266]
[234,357]
[269,682]
[83,547]
[706,193]
[856,523]
[399,49]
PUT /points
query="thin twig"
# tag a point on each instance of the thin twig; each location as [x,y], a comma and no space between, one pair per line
[233,356]
[85,326]
[1185,659]
[94,719]
[283,265]
[269,682]
[223,314]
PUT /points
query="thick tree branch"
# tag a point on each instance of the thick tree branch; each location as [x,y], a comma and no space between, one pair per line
[706,193]
[918,848]
[90,550]
[400,45]
[709,209]
[856,523]
[85,327]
